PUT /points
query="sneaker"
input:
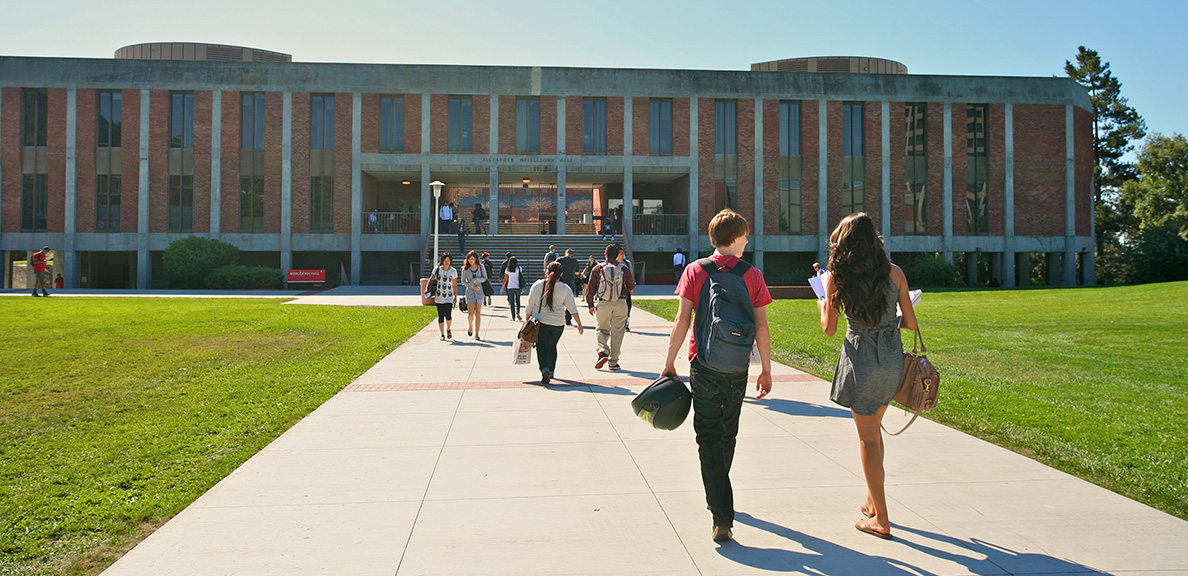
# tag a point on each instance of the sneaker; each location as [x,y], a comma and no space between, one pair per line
[615,367]
[602,358]
[36,295]
[545,377]
[722,534]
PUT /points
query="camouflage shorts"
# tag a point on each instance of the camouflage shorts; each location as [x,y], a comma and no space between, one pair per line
[44,280]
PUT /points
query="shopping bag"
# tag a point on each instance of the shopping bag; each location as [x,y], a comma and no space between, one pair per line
[521,353]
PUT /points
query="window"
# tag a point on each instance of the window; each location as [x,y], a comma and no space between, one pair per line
[660,128]
[321,123]
[726,154]
[321,204]
[915,173]
[251,163]
[594,126]
[107,161]
[790,168]
[321,165]
[976,172]
[392,124]
[181,162]
[853,161]
[461,109]
[34,163]
[527,125]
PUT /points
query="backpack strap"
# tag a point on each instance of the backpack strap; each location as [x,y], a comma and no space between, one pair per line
[710,268]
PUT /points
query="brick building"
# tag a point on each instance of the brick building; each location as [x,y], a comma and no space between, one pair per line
[310,165]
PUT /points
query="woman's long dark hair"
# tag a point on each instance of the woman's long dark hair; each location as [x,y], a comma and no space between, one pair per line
[860,268]
[554,271]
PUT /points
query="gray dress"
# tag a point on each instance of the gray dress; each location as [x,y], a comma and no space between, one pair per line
[870,365]
[474,293]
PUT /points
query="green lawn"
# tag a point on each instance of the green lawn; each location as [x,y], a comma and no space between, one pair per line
[1093,381]
[116,413]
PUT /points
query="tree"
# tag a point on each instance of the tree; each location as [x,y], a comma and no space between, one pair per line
[1115,125]
[1160,194]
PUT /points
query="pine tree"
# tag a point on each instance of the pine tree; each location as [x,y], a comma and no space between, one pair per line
[1115,126]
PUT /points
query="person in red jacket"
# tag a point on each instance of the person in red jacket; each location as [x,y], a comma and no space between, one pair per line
[43,276]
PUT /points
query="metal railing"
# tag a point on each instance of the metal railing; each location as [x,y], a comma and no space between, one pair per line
[660,224]
[392,223]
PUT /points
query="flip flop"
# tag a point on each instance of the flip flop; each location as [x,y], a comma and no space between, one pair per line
[863,526]
[865,513]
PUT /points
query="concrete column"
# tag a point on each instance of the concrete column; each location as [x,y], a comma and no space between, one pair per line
[561,125]
[1055,265]
[68,265]
[947,187]
[561,200]
[143,274]
[356,188]
[822,181]
[628,199]
[885,204]
[694,232]
[425,103]
[971,268]
[286,231]
[493,192]
[7,259]
[1023,268]
[493,133]
[996,267]
[628,145]
[1088,268]
[1008,199]
[7,267]
[757,227]
[428,215]
[216,164]
[1069,273]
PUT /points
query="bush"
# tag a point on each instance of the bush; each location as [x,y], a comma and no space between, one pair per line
[1158,254]
[189,261]
[933,270]
[238,277]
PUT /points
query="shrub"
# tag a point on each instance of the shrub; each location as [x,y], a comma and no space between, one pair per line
[1158,254]
[188,261]
[933,270]
[238,277]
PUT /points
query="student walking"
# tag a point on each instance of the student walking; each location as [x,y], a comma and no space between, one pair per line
[462,235]
[678,265]
[446,295]
[43,279]
[480,219]
[569,269]
[513,282]
[608,284]
[726,292]
[473,277]
[488,290]
[866,286]
[550,301]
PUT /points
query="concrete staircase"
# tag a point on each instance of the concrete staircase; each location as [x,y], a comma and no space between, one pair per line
[529,249]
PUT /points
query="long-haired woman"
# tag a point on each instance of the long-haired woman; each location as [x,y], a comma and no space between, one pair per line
[473,276]
[513,283]
[447,293]
[547,302]
[866,286]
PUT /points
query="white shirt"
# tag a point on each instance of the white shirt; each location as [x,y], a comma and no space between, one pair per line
[446,213]
[513,278]
[445,285]
[678,259]
[562,300]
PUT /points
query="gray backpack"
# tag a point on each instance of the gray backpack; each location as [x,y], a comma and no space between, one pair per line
[724,324]
[610,284]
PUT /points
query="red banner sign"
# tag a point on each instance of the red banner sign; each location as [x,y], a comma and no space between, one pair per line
[307,276]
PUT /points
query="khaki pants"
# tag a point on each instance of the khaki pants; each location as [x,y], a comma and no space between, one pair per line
[612,323]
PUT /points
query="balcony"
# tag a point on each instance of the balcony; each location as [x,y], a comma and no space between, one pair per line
[391,222]
[660,224]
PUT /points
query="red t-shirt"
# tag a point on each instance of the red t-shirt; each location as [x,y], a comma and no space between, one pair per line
[695,276]
[38,262]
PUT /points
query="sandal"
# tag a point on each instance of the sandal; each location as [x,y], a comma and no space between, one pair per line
[866,513]
[449,334]
[443,337]
[864,526]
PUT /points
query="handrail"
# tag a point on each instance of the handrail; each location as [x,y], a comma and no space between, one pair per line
[660,224]
[391,222]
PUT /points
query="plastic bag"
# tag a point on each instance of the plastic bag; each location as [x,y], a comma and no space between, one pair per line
[521,353]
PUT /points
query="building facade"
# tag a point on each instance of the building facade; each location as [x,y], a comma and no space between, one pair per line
[311,165]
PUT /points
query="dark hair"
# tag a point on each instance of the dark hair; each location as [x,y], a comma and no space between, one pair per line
[860,268]
[442,259]
[726,227]
[512,263]
[612,252]
[554,272]
[507,256]
[485,255]
[466,262]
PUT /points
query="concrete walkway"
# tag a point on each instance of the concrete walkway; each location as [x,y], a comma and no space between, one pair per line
[446,459]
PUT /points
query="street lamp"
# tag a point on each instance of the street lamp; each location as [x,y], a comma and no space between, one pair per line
[436,185]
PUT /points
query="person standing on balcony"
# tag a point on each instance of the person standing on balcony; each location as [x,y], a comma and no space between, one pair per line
[446,214]
[372,219]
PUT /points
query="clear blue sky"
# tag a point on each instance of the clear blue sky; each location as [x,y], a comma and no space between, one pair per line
[1144,41]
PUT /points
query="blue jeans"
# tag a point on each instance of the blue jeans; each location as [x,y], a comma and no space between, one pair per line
[513,300]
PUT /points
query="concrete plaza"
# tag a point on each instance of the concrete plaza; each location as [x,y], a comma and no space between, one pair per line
[446,459]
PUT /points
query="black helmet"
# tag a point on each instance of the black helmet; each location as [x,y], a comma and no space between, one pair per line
[664,403]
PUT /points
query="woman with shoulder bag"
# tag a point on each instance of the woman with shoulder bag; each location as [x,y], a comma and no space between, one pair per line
[548,300]
[864,284]
[473,276]
[446,294]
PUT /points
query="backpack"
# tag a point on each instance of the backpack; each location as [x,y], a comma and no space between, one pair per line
[724,322]
[610,283]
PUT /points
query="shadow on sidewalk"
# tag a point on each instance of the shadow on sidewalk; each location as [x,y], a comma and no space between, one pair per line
[794,408]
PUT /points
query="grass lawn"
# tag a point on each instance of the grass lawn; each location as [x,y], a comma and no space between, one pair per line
[116,413]
[1093,381]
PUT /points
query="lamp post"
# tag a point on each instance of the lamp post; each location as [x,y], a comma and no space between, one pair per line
[436,185]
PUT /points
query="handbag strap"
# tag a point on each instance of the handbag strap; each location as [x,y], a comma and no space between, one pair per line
[918,339]
[905,426]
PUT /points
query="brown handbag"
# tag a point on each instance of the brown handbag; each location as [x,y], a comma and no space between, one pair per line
[919,388]
[531,328]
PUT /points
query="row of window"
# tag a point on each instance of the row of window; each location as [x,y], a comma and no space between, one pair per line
[322,129]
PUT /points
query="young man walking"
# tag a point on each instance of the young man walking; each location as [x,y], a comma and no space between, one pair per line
[569,268]
[43,279]
[609,284]
[718,391]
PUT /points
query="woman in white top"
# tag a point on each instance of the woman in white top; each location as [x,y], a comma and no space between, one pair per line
[447,293]
[513,282]
[548,301]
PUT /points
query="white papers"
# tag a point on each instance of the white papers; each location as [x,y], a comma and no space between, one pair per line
[915,296]
[818,284]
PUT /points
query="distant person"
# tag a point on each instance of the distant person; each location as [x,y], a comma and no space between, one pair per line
[58,282]
[513,283]
[627,263]
[817,269]
[480,219]
[866,286]
[373,220]
[550,256]
[462,235]
[488,289]
[42,276]
[718,391]
[569,270]
[678,265]
[547,299]
[473,277]
[608,284]
[446,295]
[446,215]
